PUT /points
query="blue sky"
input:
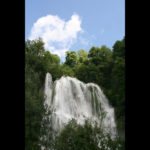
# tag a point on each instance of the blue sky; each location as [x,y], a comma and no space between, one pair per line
[75,24]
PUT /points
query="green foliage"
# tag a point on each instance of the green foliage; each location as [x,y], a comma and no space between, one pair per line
[119,49]
[34,109]
[87,73]
[82,56]
[99,55]
[117,94]
[71,58]
[46,131]
[97,68]
[67,71]
[34,96]
[37,63]
[85,137]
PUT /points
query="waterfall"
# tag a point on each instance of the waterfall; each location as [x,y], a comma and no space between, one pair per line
[70,98]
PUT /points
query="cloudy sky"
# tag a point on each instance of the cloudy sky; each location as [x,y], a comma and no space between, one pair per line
[66,25]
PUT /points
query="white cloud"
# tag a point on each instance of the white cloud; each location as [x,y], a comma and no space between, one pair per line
[59,35]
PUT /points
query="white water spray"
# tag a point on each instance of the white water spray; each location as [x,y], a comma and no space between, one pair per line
[72,99]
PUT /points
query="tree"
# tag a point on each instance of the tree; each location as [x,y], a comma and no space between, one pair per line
[82,56]
[87,73]
[51,64]
[119,49]
[94,54]
[67,71]
[100,55]
[37,63]
[117,94]
[46,132]
[34,109]
[71,58]
[85,137]
[51,58]
[34,97]
[102,59]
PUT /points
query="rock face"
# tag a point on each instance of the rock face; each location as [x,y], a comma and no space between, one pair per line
[70,98]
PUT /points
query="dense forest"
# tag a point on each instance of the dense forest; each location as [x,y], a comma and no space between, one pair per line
[101,65]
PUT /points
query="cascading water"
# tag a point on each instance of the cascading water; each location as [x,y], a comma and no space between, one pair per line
[72,99]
